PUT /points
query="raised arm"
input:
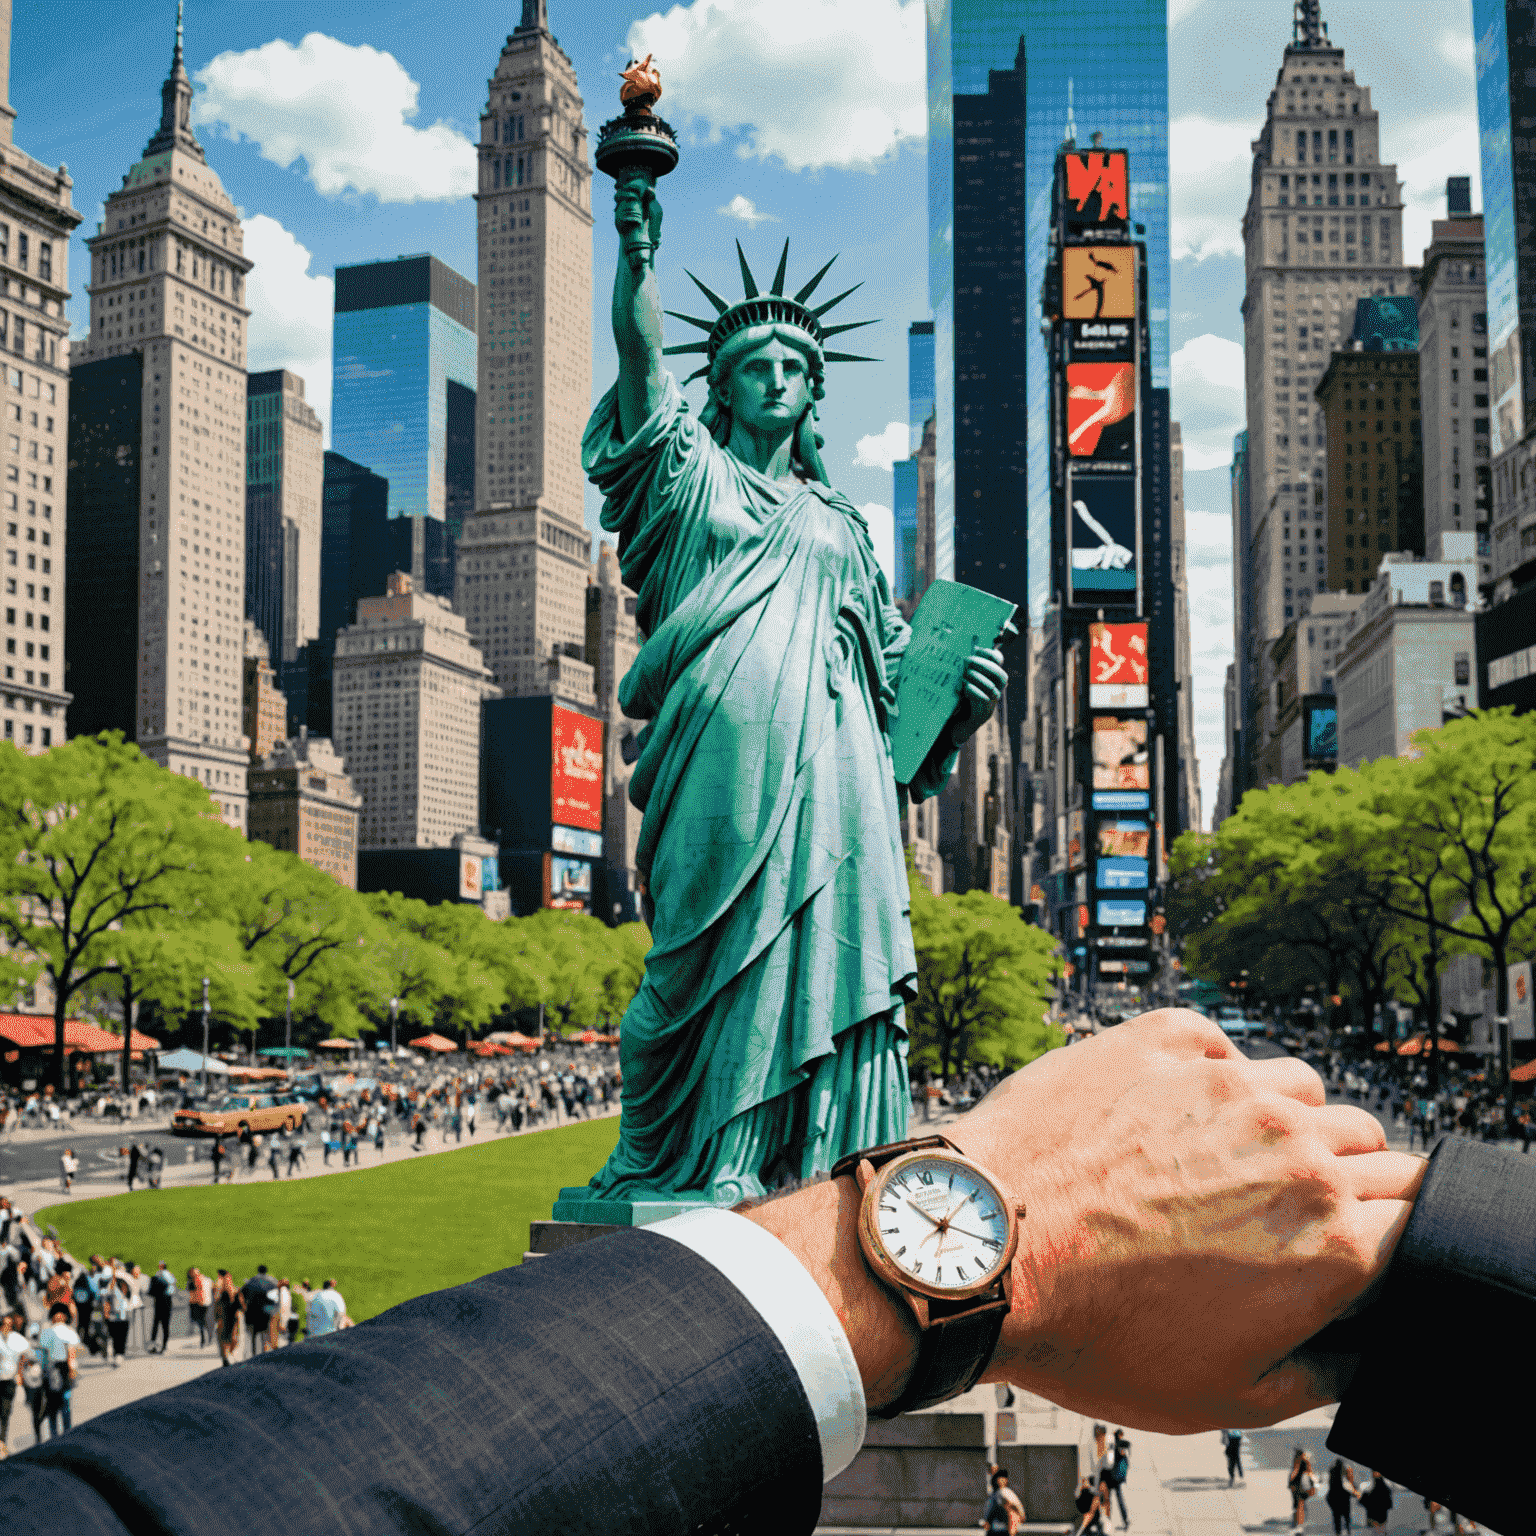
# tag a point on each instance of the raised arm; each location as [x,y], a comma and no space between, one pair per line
[637,299]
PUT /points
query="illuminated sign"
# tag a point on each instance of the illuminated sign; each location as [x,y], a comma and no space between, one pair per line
[588,845]
[1124,839]
[1122,914]
[1103,538]
[1121,874]
[569,878]
[1074,839]
[470,888]
[1117,666]
[1121,800]
[1125,967]
[1101,416]
[1097,189]
[1323,732]
[576,770]
[1120,753]
[1098,282]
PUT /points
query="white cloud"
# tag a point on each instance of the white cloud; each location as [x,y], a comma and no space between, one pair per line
[1429,151]
[1458,48]
[345,111]
[882,534]
[1179,9]
[1209,165]
[290,311]
[1208,399]
[827,82]
[1208,552]
[880,450]
[745,209]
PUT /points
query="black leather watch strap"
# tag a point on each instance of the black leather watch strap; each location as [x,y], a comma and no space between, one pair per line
[878,1157]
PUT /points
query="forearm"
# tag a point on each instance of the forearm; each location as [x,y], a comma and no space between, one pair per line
[637,315]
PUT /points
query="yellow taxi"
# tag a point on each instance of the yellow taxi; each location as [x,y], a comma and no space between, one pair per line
[232,1114]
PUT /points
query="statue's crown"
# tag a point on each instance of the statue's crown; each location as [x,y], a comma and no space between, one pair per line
[772,308]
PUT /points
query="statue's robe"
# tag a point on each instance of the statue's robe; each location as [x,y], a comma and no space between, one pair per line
[768,1037]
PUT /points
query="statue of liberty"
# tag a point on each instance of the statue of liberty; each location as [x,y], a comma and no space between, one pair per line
[768,1037]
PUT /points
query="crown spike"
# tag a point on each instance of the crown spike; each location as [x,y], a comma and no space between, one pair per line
[703,325]
[847,357]
[748,282]
[691,346]
[828,331]
[709,293]
[810,287]
[702,372]
[821,309]
[778,277]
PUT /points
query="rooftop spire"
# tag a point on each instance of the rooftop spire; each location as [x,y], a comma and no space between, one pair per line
[175,131]
[535,16]
[1308,29]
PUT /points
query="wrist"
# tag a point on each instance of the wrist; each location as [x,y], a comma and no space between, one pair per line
[819,1225]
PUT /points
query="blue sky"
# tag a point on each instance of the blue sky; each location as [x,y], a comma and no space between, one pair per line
[342,132]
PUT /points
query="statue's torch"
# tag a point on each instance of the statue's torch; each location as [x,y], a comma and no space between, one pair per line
[635,150]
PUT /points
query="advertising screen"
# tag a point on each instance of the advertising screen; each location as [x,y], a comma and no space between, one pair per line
[1117,666]
[1323,732]
[568,840]
[576,770]
[1103,537]
[1101,415]
[1124,839]
[1122,914]
[1098,282]
[1121,800]
[1074,839]
[1101,341]
[470,888]
[1120,758]
[1097,193]
[1121,874]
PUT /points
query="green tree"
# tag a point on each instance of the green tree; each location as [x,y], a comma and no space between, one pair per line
[95,837]
[985,978]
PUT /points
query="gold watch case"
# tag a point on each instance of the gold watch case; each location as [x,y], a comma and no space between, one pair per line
[992,1289]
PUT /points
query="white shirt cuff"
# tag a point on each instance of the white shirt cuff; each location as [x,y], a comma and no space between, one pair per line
[776,1283]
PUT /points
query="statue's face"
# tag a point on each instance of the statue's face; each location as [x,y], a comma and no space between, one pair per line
[769,388]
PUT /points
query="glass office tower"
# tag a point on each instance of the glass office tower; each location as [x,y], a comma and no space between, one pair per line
[1081,74]
[919,409]
[1505,31]
[403,397]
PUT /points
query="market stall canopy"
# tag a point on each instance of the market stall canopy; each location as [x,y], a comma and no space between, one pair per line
[339,1045]
[30,1031]
[433,1043]
[510,1037]
[189,1061]
[262,1074]
[287,1052]
[1524,1074]
[1416,1045]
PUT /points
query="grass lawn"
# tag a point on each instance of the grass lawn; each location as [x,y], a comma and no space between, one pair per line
[384,1234]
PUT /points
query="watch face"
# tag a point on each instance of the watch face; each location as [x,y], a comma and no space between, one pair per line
[940,1223]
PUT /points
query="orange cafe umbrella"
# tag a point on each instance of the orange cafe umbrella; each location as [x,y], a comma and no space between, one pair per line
[1524,1074]
[432,1043]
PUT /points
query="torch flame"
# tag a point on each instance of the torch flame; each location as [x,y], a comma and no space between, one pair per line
[641,83]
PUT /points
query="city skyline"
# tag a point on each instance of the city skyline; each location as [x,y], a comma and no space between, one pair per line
[866,199]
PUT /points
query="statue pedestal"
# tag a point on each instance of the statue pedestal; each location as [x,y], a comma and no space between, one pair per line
[577,1219]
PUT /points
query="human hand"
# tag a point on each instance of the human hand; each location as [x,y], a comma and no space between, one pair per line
[1193,1219]
[637,215]
[981,686]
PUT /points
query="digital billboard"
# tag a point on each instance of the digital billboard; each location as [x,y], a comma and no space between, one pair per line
[1120,759]
[576,770]
[1117,666]
[470,887]
[1097,191]
[1124,839]
[1098,282]
[568,840]
[1122,914]
[1120,874]
[570,881]
[1122,800]
[1101,416]
[1322,728]
[1103,538]
[1101,341]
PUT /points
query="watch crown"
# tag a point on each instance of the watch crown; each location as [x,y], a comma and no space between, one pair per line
[1018,1210]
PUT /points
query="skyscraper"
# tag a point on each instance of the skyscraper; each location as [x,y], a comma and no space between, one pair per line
[1505,32]
[403,392]
[910,578]
[524,556]
[283,477]
[1323,229]
[36,222]
[156,599]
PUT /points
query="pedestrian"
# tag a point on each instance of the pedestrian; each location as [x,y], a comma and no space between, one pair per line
[283,1316]
[1232,1443]
[258,1296]
[13,1348]
[378,1133]
[274,1152]
[295,1300]
[135,1153]
[197,1304]
[32,1382]
[1341,1496]
[1527,1130]
[69,1166]
[83,1294]
[1087,1502]
[252,1152]
[296,1152]
[327,1311]
[348,1144]
[117,1315]
[1376,1499]
[1302,1485]
[162,1292]
[420,1129]
[1004,1513]
[226,1315]
[1120,1469]
[218,1156]
[156,1165]
[58,1352]
[469,1117]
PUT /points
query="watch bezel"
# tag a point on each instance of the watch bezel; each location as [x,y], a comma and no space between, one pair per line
[886,1268]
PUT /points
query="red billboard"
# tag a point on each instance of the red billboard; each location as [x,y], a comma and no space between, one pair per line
[1117,666]
[1101,397]
[1098,183]
[576,770]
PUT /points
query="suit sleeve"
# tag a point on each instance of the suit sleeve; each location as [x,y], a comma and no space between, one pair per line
[1449,1328]
[626,1377]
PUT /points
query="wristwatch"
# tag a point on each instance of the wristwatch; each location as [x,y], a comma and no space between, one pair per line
[939,1231]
